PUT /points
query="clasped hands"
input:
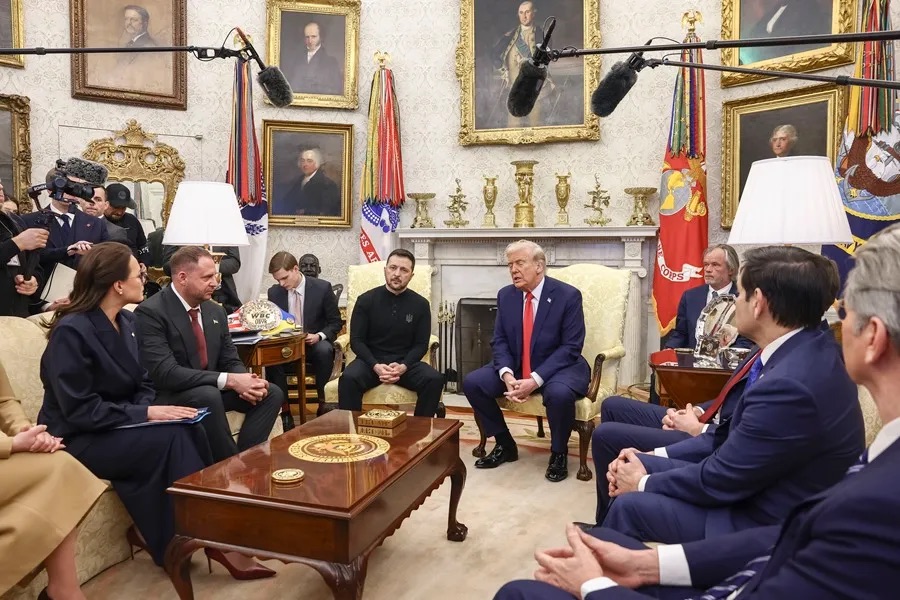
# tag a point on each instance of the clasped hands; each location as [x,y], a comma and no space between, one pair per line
[587,558]
[518,390]
[249,386]
[686,420]
[625,472]
[34,438]
[79,248]
[389,373]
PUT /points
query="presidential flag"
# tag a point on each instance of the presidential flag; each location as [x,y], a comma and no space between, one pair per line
[682,193]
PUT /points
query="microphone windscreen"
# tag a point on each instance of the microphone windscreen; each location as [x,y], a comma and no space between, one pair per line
[525,89]
[276,86]
[620,79]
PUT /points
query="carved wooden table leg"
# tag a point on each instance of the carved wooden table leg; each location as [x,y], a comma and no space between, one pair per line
[178,565]
[346,581]
[456,531]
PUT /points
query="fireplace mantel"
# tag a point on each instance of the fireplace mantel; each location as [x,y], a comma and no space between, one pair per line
[470,263]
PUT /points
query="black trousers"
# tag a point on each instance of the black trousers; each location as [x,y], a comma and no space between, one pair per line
[358,378]
[141,463]
[319,356]
[258,420]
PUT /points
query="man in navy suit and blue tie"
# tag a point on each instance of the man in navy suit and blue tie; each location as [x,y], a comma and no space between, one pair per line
[835,544]
[796,427]
[538,338]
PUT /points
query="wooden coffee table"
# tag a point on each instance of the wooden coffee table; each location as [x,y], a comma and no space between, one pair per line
[335,517]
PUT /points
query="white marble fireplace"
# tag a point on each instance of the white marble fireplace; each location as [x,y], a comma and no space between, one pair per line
[470,263]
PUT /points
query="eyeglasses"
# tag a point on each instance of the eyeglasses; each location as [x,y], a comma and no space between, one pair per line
[142,276]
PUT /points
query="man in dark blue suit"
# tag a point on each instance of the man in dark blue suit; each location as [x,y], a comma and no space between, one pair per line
[835,544]
[794,431]
[548,314]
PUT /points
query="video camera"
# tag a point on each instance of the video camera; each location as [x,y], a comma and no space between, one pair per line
[60,184]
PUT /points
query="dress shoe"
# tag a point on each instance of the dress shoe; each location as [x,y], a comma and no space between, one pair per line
[497,457]
[257,571]
[325,407]
[287,421]
[135,540]
[558,469]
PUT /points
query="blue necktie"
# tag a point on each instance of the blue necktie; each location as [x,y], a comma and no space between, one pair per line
[755,370]
[741,578]
[66,228]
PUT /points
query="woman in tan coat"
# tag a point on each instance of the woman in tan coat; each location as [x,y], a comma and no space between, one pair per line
[43,496]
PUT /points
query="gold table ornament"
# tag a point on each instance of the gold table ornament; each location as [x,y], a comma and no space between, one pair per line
[562,199]
[490,198]
[288,476]
[599,201]
[338,448]
[525,186]
[640,215]
[423,219]
[457,207]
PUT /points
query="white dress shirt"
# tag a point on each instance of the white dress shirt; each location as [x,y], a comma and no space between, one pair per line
[311,53]
[223,377]
[301,290]
[535,304]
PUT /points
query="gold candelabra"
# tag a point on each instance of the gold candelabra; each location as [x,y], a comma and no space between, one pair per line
[423,219]
[457,207]
[490,198]
[640,214]
[525,186]
[562,199]
[599,201]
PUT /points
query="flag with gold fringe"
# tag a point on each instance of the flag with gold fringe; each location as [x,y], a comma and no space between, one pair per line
[382,194]
[683,209]
[868,160]
[245,174]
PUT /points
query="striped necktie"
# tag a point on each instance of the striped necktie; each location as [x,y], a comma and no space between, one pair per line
[743,577]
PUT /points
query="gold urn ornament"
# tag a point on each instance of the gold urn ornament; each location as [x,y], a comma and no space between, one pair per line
[525,188]
[423,219]
[562,199]
[456,208]
[490,199]
[599,201]
[640,215]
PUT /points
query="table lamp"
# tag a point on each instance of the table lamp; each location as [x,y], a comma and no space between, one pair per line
[205,213]
[792,200]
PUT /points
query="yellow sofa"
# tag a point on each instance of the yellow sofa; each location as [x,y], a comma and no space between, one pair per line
[101,538]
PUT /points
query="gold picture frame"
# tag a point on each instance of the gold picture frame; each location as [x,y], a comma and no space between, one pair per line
[328,78]
[300,193]
[815,113]
[16,174]
[12,24]
[485,60]
[156,79]
[799,17]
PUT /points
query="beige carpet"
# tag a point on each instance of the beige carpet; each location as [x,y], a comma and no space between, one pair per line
[509,511]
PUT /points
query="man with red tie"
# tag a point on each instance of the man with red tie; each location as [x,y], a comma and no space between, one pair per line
[538,338]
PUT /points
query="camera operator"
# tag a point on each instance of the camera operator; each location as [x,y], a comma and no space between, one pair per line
[72,232]
[16,245]
[119,199]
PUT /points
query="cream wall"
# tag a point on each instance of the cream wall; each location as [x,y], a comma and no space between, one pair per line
[421,35]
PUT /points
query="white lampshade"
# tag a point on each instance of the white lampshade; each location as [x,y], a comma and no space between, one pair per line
[793,200]
[205,212]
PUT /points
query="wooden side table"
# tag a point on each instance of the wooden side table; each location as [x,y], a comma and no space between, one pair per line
[685,382]
[279,350]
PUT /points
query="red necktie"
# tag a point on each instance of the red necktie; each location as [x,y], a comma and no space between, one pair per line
[527,326]
[720,399]
[199,337]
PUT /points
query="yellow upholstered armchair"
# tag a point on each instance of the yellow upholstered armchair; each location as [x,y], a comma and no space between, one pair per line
[604,292]
[360,279]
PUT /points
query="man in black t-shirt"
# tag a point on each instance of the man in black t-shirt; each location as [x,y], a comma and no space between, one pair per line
[119,198]
[390,333]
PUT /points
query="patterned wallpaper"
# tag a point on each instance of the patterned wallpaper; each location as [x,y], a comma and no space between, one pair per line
[422,42]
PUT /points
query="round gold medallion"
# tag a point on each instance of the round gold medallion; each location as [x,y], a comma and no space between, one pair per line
[287,475]
[339,448]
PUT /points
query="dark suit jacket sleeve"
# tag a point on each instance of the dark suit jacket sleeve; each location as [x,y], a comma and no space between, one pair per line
[229,360]
[360,330]
[678,338]
[771,439]
[569,351]
[71,374]
[143,251]
[8,249]
[333,316]
[693,449]
[712,561]
[231,262]
[501,354]
[104,234]
[158,359]
[275,297]
[423,334]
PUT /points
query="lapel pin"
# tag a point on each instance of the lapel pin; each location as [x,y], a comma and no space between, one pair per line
[549,300]
[215,322]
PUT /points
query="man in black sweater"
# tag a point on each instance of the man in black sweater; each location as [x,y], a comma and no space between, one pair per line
[391,328]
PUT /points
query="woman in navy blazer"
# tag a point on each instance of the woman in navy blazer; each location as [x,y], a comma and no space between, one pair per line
[94,385]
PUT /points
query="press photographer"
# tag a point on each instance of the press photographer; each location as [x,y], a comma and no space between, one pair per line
[71,231]
[17,244]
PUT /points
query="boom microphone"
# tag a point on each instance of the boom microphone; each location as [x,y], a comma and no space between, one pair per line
[271,79]
[617,83]
[532,74]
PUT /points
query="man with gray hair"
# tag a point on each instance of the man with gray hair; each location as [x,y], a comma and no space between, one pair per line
[312,194]
[783,139]
[538,338]
[834,544]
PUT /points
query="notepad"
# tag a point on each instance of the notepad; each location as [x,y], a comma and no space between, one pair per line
[201,412]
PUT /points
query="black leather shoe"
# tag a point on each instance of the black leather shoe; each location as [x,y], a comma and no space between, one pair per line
[287,421]
[324,408]
[497,457]
[558,468]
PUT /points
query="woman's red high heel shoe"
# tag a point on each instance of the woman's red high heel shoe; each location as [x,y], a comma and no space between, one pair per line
[257,571]
[135,540]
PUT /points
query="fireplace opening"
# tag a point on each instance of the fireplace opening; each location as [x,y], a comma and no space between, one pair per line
[474,329]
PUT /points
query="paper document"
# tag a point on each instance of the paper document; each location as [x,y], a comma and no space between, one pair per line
[201,412]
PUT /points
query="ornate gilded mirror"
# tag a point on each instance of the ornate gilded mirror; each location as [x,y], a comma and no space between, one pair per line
[15,148]
[151,170]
